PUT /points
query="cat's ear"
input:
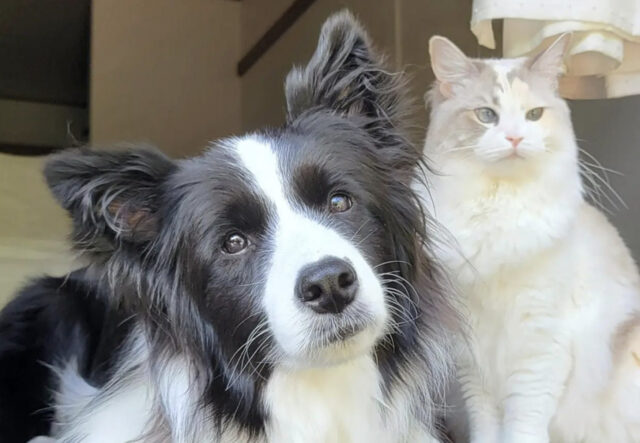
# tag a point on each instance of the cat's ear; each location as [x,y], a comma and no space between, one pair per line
[112,196]
[344,75]
[450,66]
[550,62]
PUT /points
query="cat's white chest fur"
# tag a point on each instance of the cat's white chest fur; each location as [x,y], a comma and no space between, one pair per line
[546,296]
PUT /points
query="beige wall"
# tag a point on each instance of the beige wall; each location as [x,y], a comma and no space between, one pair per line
[400,28]
[163,71]
[40,124]
[262,86]
[419,21]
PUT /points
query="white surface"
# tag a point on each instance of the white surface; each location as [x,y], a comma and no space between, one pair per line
[604,57]
[33,227]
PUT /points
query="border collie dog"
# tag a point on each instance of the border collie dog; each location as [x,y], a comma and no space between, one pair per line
[279,287]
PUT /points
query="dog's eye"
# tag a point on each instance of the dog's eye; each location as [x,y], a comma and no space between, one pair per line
[340,202]
[235,243]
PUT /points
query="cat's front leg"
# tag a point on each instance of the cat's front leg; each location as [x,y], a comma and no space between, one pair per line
[482,414]
[484,426]
[534,387]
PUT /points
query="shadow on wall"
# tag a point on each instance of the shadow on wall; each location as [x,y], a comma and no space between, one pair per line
[610,131]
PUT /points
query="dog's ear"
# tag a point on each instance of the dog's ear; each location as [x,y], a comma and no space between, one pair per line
[346,76]
[112,196]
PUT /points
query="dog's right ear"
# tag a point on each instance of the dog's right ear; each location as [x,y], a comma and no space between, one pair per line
[112,196]
[346,77]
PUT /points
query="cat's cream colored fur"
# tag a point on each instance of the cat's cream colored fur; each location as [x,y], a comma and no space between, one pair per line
[551,292]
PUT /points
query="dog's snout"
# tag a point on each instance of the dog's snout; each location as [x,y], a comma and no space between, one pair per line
[328,285]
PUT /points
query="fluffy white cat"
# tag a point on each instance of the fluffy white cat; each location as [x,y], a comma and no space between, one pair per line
[551,292]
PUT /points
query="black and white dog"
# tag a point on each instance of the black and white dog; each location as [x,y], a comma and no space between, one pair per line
[277,288]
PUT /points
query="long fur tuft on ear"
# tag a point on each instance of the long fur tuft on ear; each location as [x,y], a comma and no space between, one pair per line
[110,195]
[346,77]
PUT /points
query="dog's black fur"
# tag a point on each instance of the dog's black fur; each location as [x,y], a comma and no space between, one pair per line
[151,229]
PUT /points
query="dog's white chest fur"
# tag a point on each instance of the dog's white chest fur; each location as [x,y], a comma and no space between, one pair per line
[343,404]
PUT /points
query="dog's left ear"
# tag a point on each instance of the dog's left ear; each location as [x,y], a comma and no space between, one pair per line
[347,77]
[112,196]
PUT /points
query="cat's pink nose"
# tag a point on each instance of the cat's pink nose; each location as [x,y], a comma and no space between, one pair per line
[515,141]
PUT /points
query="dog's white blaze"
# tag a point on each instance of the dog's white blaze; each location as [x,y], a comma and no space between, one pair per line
[262,163]
[298,241]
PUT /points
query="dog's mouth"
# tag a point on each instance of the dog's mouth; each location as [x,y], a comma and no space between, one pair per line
[344,333]
[342,328]
[335,338]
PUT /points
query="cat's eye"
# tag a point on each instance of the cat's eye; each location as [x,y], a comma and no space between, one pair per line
[235,243]
[486,115]
[340,202]
[535,114]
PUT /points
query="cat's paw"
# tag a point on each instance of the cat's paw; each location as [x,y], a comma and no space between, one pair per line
[42,439]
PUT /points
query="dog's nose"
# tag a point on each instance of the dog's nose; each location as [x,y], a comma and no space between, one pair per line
[328,285]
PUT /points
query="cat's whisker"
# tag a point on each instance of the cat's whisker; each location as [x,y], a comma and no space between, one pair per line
[597,175]
[608,187]
[600,192]
[602,168]
[588,174]
[591,157]
[593,189]
[460,149]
